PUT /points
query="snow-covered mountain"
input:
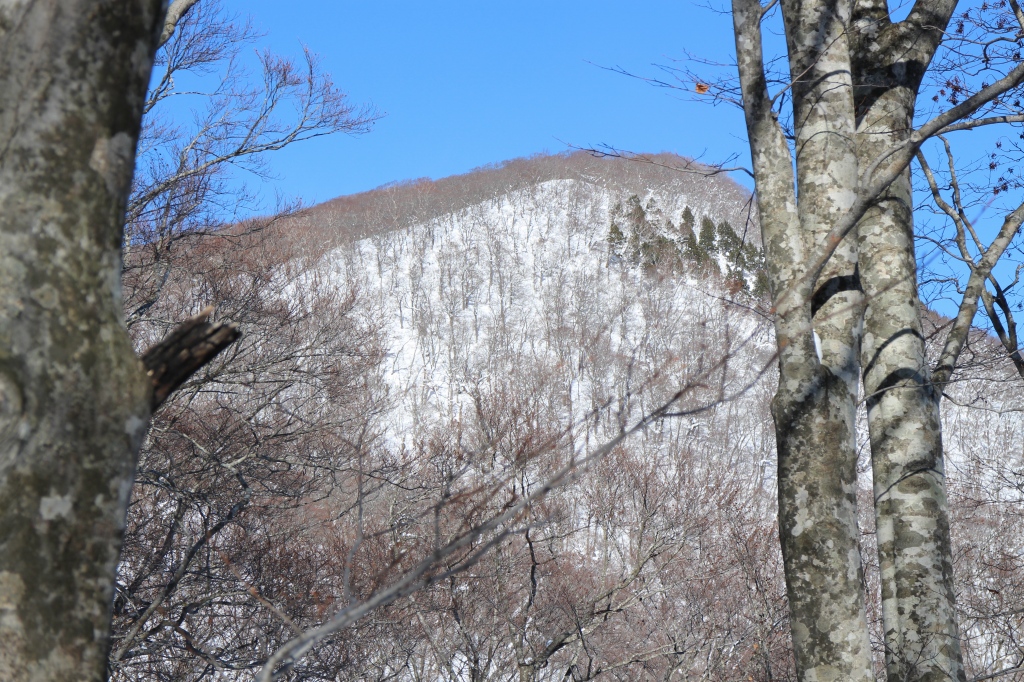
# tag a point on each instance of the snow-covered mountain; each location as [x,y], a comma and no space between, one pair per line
[596,303]
[577,295]
[419,358]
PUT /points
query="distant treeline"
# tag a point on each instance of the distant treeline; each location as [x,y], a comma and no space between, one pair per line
[402,204]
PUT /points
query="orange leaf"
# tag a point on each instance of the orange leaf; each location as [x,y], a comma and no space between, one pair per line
[702,88]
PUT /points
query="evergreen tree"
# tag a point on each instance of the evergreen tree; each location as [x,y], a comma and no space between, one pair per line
[729,242]
[615,237]
[706,240]
[688,221]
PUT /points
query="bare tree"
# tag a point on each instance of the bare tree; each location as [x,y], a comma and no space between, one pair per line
[839,248]
[229,471]
[498,545]
[190,179]
[266,441]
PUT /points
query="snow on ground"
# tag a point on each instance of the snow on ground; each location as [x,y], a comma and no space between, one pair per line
[518,303]
[519,300]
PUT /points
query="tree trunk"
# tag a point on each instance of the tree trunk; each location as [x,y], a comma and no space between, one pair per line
[74,400]
[814,406]
[911,511]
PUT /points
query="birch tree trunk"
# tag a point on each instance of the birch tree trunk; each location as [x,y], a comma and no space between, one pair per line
[814,406]
[911,511]
[74,399]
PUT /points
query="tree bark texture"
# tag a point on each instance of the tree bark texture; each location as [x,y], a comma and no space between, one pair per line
[855,77]
[814,407]
[74,399]
[911,511]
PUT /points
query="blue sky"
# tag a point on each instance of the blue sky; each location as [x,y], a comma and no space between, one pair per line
[465,84]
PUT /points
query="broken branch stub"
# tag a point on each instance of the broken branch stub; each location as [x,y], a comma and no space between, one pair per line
[194,342]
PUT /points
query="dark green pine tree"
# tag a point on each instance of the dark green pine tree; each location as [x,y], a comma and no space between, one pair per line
[688,221]
[615,237]
[706,240]
[729,243]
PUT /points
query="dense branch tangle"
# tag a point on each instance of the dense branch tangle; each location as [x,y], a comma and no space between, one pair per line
[221,461]
[266,503]
[189,180]
[340,524]
[838,238]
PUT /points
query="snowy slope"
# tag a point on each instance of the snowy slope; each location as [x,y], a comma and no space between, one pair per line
[521,300]
[518,304]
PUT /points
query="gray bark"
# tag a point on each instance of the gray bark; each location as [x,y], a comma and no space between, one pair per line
[175,12]
[853,109]
[814,405]
[911,510]
[74,399]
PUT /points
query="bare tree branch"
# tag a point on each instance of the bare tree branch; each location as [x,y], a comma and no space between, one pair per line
[971,124]
[175,12]
[420,576]
[195,342]
[874,181]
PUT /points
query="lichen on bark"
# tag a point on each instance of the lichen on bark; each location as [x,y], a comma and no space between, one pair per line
[911,511]
[855,78]
[74,401]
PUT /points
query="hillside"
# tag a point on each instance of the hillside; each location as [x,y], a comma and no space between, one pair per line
[419,358]
[577,282]
[402,204]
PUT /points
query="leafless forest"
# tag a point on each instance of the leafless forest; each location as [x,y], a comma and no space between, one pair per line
[419,359]
[509,425]
[392,390]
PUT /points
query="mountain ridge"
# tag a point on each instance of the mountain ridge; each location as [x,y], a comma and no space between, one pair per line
[398,204]
[425,361]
